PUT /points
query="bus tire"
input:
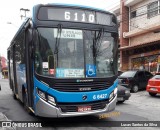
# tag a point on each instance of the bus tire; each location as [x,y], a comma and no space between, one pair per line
[25,104]
[14,95]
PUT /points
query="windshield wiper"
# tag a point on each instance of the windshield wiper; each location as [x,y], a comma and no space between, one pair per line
[115,54]
[96,41]
[112,66]
[39,38]
[59,31]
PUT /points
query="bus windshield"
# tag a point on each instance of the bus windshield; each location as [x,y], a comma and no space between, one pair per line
[72,53]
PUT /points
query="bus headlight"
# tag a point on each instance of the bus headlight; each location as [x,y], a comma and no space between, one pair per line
[115,91]
[51,100]
[41,94]
[46,97]
[111,96]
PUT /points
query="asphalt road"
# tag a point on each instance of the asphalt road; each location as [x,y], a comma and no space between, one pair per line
[140,107]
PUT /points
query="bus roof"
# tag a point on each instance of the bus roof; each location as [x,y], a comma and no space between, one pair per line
[41,15]
[77,5]
[73,6]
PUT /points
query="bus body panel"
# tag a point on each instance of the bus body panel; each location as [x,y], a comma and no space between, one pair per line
[72,97]
[47,110]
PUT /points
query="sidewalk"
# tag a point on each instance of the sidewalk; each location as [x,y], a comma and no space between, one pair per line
[4,91]
[3,117]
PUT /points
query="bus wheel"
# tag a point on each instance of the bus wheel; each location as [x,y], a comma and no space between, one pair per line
[14,96]
[25,104]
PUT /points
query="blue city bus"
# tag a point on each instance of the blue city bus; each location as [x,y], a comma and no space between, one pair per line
[62,61]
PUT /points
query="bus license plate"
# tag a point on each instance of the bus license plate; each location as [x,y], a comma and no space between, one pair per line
[84,108]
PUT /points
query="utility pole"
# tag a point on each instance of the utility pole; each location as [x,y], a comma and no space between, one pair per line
[0,64]
[25,11]
[0,68]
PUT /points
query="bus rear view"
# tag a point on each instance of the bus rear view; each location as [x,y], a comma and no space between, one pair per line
[71,55]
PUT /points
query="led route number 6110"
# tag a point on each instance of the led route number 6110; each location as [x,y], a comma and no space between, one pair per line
[83,17]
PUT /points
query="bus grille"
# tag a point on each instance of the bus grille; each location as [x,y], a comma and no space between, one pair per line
[81,87]
[66,107]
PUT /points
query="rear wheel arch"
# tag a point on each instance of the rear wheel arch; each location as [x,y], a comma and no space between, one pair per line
[25,101]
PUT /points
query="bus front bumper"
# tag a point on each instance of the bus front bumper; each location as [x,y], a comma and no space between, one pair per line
[45,109]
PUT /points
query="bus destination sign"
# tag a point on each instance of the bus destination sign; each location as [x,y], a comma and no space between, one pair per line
[74,15]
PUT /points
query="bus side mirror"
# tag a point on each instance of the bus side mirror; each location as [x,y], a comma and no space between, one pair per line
[31,43]
[51,64]
[32,52]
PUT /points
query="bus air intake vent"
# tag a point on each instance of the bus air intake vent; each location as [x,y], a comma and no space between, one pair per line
[73,107]
[81,87]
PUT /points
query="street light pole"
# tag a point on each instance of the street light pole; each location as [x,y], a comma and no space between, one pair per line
[25,10]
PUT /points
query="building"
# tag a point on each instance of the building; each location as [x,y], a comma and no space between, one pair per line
[139,34]
[3,67]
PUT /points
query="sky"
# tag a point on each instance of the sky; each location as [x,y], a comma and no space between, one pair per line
[10,19]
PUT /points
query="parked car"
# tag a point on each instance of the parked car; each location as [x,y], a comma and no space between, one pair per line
[123,94]
[135,80]
[153,86]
